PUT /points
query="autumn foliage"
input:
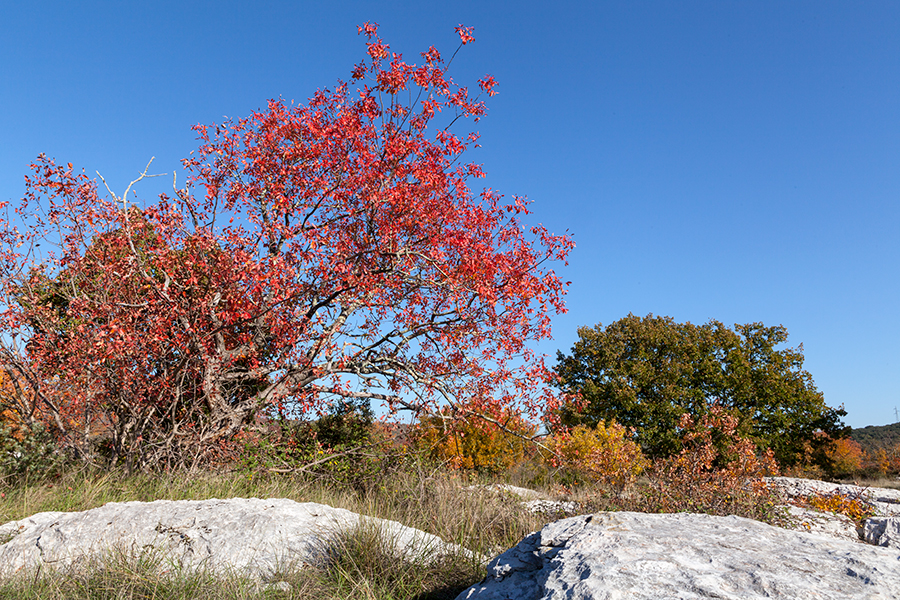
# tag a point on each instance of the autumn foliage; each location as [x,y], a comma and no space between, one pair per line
[717,469]
[491,445]
[845,456]
[331,251]
[604,453]
[11,422]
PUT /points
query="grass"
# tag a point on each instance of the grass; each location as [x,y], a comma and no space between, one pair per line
[891,483]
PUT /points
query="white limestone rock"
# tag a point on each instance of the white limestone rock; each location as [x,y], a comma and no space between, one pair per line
[886,502]
[883,531]
[651,556]
[533,501]
[552,507]
[512,490]
[823,523]
[14,528]
[245,536]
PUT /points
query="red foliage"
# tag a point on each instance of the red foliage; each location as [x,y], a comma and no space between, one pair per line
[337,250]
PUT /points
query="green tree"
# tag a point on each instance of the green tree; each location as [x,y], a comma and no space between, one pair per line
[646,372]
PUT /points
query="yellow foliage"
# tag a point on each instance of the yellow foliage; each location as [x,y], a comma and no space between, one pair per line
[855,508]
[475,443]
[602,453]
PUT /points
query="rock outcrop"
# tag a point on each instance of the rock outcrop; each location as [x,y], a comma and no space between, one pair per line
[883,531]
[885,502]
[244,536]
[511,490]
[651,556]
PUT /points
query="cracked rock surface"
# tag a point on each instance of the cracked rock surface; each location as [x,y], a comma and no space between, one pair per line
[247,536]
[685,556]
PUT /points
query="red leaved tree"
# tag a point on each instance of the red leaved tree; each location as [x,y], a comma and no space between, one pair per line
[336,250]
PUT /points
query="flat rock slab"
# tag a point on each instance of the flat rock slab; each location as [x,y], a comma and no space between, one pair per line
[822,523]
[685,556]
[244,536]
[886,502]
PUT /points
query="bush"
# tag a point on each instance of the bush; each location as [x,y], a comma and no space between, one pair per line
[343,446]
[886,461]
[28,452]
[845,457]
[474,443]
[716,472]
[603,453]
[855,508]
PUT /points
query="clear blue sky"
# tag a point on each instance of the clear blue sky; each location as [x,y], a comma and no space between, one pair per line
[719,160]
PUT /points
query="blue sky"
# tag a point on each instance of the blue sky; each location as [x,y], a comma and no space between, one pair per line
[735,161]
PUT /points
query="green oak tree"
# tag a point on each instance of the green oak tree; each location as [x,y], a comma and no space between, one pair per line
[646,372]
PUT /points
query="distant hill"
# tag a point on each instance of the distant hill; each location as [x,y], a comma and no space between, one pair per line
[876,437]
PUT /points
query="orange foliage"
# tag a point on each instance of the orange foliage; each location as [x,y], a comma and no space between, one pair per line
[10,418]
[603,453]
[886,461]
[717,470]
[475,443]
[846,456]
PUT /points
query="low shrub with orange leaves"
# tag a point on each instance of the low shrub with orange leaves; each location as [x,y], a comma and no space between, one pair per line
[604,453]
[475,443]
[716,472]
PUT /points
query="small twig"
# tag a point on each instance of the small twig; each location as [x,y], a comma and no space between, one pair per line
[124,197]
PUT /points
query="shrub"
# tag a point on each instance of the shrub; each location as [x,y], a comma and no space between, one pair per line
[854,507]
[602,453]
[475,444]
[716,472]
[343,446]
[845,456]
[884,461]
[28,452]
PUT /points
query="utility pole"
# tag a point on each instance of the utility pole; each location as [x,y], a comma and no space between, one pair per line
[896,418]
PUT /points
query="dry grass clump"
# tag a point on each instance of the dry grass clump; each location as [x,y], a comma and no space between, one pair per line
[890,483]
